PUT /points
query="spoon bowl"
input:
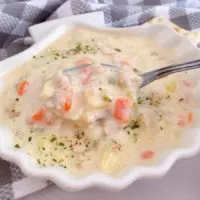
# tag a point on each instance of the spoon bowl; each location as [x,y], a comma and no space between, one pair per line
[150,76]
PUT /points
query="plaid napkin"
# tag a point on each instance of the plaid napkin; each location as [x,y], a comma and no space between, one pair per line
[17,15]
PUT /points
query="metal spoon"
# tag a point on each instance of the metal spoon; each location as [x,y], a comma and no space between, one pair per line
[151,76]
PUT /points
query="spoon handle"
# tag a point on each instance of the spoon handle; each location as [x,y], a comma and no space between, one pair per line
[151,76]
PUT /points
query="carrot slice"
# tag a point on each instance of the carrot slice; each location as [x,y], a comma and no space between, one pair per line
[39,115]
[21,89]
[181,123]
[68,104]
[147,154]
[184,119]
[122,110]
[190,117]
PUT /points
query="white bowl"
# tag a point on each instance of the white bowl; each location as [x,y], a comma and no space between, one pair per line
[39,31]
[191,141]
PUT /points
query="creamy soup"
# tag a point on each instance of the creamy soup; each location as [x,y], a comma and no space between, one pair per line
[96,118]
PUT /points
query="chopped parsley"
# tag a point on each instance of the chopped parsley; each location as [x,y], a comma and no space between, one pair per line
[57,54]
[167,97]
[107,98]
[82,48]
[53,139]
[135,137]
[80,134]
[78,47]
[29,139]
[133,124]
[136,71]
[118,50]
[140,100]
[61,143]
[155,99]
[17,146]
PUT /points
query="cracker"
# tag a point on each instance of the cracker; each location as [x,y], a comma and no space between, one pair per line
[192,35]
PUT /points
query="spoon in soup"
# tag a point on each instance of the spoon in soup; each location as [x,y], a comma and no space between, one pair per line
[151,76]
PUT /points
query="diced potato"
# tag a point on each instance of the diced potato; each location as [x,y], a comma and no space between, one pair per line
[48,89]
[94,131]
[111,127]
[171,86]
[94,98]
[110,160]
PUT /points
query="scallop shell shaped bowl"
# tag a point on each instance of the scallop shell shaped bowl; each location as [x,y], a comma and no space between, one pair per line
[165,36]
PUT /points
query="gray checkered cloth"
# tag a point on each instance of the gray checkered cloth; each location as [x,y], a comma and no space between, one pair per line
[17,15]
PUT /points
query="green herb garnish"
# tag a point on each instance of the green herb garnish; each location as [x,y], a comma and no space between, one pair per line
[135,125]
[140,100]
[106,98]
[136,71]
[29,139]
[53,139]
[135,136]
[118,50]
[61,144]
[17,146]
[79,47]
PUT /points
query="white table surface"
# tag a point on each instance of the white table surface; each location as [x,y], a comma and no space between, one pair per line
[182,182]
